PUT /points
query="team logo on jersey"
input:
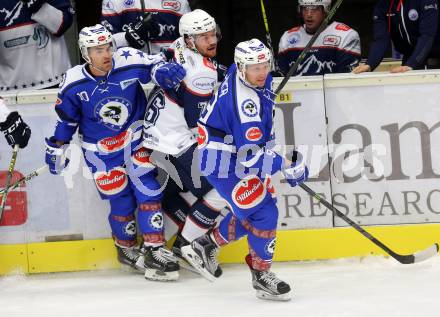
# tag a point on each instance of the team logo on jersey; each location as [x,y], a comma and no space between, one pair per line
[249,192]
[114,143]
[331,40]
[294,39]
[204,83]
[270,247]
[171,5]
[128,3]
[142,158]
[254,134]
[41,36]
[113,112]
[342,27]
[156,220]
[130,228]
[112,182]
[202,136]
[413,15]
[249,108]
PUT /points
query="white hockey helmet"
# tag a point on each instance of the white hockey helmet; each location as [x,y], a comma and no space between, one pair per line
[250,53]
[91,36]
[325,3]
[196,22]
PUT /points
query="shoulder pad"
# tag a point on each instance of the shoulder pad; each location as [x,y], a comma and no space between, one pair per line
[71,76]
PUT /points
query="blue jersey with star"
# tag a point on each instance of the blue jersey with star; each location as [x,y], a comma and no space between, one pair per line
[102,107]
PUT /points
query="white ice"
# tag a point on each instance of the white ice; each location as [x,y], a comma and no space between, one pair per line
[372,286]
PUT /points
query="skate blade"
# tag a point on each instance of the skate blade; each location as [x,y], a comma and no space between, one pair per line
[185,265]
[266,296]
[193,259]
[156,275]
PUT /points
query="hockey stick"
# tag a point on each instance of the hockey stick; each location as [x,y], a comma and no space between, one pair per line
[8,178]
[24,179]
[294,67]
[268,37]
[404,259]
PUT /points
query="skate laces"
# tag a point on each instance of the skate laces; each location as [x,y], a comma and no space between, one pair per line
[130,253]
[270,278]
[163,255]
[213,257]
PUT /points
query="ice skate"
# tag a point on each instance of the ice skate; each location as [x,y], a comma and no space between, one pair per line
[131,257]
[160,264]
[202,255]
[177,251]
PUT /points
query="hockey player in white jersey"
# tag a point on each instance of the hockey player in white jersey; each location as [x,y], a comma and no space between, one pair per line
[148,25]
[104,100]
[171,121]
[336,50]
[16,131]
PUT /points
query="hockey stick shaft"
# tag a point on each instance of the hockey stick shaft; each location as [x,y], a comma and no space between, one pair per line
[295,65]
[25,179]
[8,178]
[268,37]
[404,259]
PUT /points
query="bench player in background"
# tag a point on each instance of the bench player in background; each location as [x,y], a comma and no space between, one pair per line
[171,122]
[149,25]
[235,141]
[104,100]
[336,50]
[16,131]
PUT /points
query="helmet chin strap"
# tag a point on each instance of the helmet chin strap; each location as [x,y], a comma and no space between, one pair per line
[98,69]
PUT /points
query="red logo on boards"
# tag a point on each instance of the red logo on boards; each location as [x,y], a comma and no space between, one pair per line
[254,134]
[249,192]
[15,212]
[112,182]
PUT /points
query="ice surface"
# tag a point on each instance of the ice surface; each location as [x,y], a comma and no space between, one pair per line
[372,286]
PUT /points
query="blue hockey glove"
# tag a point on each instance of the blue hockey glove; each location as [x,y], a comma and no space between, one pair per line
[168,75]
[297,172]
[55,157]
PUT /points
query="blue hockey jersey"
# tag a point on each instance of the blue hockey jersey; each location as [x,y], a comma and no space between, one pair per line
[236,129]
[104,108]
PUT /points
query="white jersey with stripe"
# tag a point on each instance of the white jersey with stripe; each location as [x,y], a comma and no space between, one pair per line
[172,114]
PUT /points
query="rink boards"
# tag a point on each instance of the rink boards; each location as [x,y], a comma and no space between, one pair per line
[371,143]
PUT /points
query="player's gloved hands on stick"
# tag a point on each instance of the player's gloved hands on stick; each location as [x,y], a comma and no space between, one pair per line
[33,5]
[297,172]
[55,158]
[144,30]
[168,75]
[16,130]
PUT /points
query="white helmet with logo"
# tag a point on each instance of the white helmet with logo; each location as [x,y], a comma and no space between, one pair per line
[249,53]
[91,36]
[196,22]
[325,3]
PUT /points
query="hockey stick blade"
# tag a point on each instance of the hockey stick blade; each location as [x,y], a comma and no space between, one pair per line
[404,259]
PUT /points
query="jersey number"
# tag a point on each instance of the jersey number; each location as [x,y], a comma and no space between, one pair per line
[156,103]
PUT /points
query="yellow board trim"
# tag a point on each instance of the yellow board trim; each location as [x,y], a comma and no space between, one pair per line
[292,245]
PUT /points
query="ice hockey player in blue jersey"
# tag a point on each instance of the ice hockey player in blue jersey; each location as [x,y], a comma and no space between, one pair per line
[336,50]
[235,150]
[171,123]
[103,99]
[149,25]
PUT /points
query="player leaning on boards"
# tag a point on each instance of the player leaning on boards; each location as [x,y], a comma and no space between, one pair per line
[336,50]
[171,122]
[16,131]
[235,141]
[148,25]
[104,100]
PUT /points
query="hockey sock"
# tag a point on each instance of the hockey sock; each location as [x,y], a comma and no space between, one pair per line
[122,220]
[199,221]
[150,221]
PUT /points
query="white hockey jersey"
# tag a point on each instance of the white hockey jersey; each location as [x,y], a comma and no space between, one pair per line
[116,15]
[33,53]
[171,117]
[336,50]
[4,111]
